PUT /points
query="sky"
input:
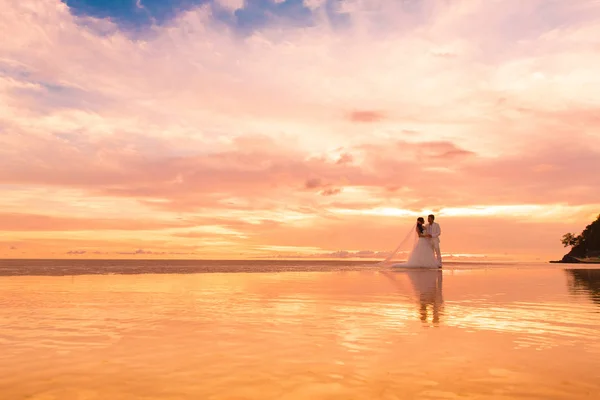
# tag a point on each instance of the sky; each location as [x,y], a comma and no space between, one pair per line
[296,128]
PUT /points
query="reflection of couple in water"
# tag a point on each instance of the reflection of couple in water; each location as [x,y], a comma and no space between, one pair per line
[427,285]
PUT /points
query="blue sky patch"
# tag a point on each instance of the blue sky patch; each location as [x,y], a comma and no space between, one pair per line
[136,15]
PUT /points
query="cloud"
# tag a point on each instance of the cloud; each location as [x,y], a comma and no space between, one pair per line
[352,254]
[313,183]
[345,158]
[137,252]
[142,252]
[76,252]
[312,4]
[252,118]
[331,191]
[366,116]
[249,172]
[12,222]
[231,5]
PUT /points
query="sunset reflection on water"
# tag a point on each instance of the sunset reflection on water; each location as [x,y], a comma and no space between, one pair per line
[494,334]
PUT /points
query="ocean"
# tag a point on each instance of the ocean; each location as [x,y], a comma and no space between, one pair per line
[150,330]
[58,267]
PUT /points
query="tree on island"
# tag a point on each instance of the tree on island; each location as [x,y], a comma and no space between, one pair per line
[585,245]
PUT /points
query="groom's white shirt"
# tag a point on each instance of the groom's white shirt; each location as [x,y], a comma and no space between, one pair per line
[435,231]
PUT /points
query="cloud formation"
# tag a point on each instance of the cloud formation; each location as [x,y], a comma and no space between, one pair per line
[259,132]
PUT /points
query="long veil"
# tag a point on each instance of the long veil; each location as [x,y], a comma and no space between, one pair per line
[402,251]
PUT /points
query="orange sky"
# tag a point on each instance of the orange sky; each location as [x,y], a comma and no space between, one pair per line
[191,139]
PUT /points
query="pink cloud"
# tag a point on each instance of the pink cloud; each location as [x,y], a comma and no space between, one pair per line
[12,222]
[331,191]
[366,116]
[313,183]
[345,158]
[254,172]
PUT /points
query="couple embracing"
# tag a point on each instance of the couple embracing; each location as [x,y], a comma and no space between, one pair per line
[426,252]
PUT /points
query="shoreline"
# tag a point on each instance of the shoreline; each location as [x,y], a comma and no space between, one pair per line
[573,260]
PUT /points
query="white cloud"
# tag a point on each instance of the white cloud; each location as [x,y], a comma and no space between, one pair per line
[231,5]
[312,4]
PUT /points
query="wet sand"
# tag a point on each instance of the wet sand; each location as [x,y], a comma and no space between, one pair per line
[471,334]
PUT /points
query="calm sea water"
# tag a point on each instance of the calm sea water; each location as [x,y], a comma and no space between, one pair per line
[86,267]
[154,330]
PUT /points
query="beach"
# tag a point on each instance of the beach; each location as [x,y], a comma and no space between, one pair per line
[468,331]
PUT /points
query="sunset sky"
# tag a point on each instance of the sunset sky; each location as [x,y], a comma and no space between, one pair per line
[259,128]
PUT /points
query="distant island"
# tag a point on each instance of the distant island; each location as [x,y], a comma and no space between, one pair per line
[585,248]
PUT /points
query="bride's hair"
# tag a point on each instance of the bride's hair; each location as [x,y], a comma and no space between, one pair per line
[420,222]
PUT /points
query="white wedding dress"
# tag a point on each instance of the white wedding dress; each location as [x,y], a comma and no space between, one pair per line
[421,256]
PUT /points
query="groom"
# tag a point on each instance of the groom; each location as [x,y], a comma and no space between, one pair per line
[434,231]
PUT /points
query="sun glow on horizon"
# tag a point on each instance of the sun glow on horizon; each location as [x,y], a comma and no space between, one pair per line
[549,211]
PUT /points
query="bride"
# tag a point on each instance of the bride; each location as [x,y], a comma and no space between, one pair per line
[421,255]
